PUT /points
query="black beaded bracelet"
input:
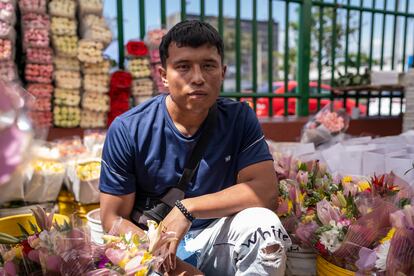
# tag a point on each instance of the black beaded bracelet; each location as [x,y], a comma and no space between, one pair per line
[184,210]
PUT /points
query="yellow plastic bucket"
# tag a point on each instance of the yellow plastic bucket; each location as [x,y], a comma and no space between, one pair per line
[66,203]
[82,209]
[325,268]
[9,225]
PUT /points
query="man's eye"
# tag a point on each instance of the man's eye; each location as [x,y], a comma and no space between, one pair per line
[182,67]
[209,66]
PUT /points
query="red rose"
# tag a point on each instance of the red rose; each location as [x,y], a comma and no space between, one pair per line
[136,48]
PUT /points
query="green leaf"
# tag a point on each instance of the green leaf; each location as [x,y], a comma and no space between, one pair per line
[23,230]
[33,227]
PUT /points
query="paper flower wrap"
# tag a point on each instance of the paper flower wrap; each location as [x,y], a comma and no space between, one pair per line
[95,101]
[6,50]
[66,64]
[143,87]
[40,89]
[66,116]
[37,6]
[63,26]
[36,38]
[139,67]
[41,73]
[69,97]
[66,46]
[96,68]
[62,8]
[68,79]
[324,126]
[93,119]
[35,21]
[8,70]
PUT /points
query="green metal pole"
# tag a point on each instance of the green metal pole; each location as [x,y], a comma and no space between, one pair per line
[333,50]
[163,14]
[320,45]
[270,52]
[304,56]
[254,41]
[202,9]
[359,37]
[371,44]
[141,19]
[347,36]
[120,25]
[183,10]
[383,35]
[238,47]
[394,35]
[405,35]
[286,58]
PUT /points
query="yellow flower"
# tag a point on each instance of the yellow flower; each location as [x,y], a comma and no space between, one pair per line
[290,206]
[389,235]
[18,251]
[346,179]
[142,272]
[146,258]
[123,262]
[308,218]
[363,186]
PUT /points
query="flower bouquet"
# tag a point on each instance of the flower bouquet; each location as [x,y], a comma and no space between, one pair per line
[325,126]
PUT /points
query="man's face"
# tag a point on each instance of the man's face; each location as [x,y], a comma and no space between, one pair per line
[193,76]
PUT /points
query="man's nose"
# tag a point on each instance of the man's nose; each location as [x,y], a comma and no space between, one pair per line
[197,77]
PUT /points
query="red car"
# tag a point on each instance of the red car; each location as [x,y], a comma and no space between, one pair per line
[262,104]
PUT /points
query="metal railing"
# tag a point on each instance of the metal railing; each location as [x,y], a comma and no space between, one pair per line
[322,42]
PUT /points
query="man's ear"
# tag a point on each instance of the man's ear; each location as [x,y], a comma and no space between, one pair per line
[163,74]
[223,73]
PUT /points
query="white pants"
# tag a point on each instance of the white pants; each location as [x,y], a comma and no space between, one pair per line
[252,242]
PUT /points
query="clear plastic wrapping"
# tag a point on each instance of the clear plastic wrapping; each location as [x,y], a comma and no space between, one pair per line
[35,21]
[41,73]
[41,104]
[66,116]
[98,33]
[68,79]
[93,140]
[41,119]
[66,64]
[90,51]
[66,46]
[95,101]
[62,8]
[40,89]
[69,97]
[36,6]
[63,26]
[84,178]
[96,68]
[39,55]
[8,70]
[90,7]
[93,119]
[143,87]
[139,67]
[90,20]
[96,83]
[6,50]
[36,38]
[13,189]
[7,13]
[153,38]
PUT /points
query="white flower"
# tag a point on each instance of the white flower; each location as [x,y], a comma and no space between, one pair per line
[382,253]
[329,238]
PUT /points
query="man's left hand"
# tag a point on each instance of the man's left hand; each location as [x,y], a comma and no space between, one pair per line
[176,222]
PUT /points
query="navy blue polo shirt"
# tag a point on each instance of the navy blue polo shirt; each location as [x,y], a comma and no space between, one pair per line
[145,153]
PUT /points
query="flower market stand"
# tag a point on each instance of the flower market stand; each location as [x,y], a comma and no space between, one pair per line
[300,261]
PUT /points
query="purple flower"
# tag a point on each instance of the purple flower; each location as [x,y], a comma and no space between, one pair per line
[103,261]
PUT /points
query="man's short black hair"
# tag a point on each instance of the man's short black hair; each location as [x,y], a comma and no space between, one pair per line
[191,33]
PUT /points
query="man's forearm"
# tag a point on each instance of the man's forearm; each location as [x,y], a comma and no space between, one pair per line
[232,200]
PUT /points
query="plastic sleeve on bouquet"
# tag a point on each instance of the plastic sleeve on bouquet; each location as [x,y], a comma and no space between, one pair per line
[98,33]
[143,87]
[36,6]
[93,119]
[41,118]
[95,102]
[36,38]
[90,51]
[14,188]
[66,116]
[90,7]
[41,104]
[94,141]
[6,50]
[96,68]
[96,83]
[68,79]
[63,26]
[39,55]
[66,46]
[40,89]
[7,13]
[90,20]
[8,70]
[45,182]
[68,97]
[62,8]
[35,21]
[66,64]
[84,178]
[41,73]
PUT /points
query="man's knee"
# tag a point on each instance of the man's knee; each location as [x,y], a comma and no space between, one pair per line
[257,217]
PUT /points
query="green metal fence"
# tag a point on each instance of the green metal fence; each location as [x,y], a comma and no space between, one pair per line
[323,32]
